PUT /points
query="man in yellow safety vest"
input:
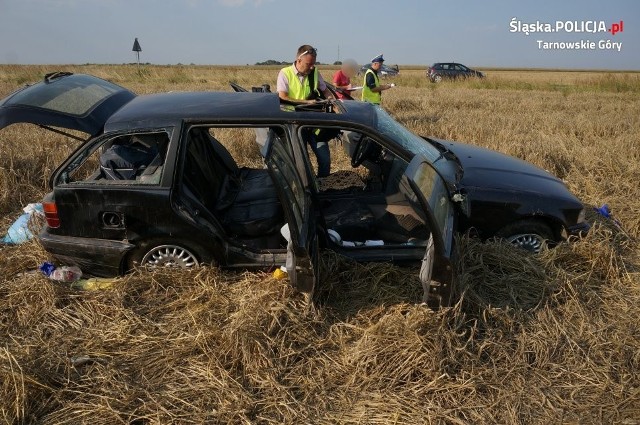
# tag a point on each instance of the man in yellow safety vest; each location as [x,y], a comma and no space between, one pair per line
[301,83]
[371,88]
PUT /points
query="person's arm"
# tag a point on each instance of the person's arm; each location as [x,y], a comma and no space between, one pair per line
[371,83]
[322,86]
[381,88]
[327,94]
[285,96]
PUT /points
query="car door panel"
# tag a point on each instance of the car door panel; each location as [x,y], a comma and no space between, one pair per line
[112,212]
[432,200]
[302,255]
[449,71]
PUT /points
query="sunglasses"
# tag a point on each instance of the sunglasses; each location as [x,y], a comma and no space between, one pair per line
[311,51]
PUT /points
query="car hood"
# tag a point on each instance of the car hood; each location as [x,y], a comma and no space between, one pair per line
[487,169]
[72,101]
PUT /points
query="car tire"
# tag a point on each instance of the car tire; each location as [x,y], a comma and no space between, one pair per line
[531,235]
[437,78]
[158,253]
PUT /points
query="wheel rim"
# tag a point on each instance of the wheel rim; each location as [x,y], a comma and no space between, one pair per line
[437,78]
[170,256]
[529,241]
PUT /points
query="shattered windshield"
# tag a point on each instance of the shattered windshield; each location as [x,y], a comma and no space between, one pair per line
[405,138]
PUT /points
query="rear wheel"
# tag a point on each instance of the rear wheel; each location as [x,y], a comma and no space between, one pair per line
[157,254]
[531,235]
[437,78]
[170,256]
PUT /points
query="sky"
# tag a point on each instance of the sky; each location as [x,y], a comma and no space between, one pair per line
[483,33]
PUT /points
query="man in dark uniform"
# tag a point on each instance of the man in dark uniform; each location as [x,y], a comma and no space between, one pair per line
[371,88]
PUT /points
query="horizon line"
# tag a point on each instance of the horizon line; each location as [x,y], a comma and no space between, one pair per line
[406,66]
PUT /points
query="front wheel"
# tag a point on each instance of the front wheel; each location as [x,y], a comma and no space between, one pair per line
[531,235]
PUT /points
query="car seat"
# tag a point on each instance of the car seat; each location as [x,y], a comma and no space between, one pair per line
[246,200]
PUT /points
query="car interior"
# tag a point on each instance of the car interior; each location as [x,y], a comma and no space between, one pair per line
[128,159]
[373,211]
[370,204]
[242,200]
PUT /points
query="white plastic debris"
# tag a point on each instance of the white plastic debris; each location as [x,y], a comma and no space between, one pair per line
[285,232]
[335,237]
[19,231]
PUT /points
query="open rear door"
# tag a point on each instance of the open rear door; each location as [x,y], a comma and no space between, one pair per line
[433,201]
[302,248]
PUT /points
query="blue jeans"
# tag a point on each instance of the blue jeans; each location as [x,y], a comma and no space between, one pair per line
[320,148]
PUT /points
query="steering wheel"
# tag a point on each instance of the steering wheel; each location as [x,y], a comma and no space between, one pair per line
[365,149]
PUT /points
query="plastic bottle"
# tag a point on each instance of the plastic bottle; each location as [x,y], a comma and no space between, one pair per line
[93,283]
[66,274]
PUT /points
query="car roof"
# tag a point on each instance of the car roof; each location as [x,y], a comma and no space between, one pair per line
[170,109]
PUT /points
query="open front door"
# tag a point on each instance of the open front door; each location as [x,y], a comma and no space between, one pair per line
[302,249]
[437,209]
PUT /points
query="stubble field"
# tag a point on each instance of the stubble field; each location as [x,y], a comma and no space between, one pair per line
[547,339]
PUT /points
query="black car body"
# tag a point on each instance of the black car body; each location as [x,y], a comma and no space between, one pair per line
[452,71]
[191,203]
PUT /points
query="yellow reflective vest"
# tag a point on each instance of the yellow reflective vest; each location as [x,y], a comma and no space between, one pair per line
[367,94]
[298,90]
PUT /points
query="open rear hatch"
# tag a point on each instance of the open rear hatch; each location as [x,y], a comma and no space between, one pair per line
[71,101]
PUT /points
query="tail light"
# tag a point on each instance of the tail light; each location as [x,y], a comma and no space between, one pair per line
[51,214]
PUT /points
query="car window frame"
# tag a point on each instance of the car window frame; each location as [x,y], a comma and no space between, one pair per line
[371,133]
[90,147]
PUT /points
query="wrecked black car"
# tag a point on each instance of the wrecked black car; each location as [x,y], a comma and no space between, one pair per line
[156,184]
